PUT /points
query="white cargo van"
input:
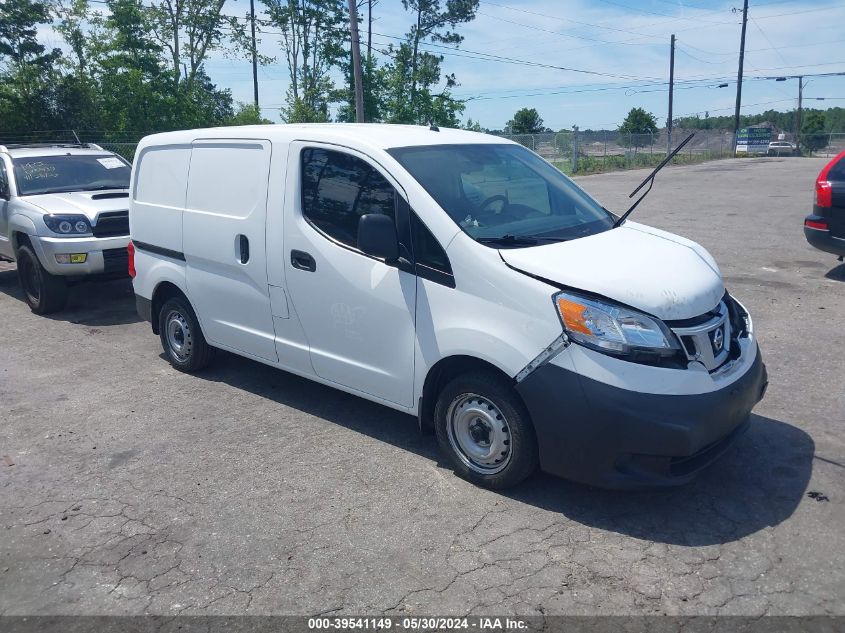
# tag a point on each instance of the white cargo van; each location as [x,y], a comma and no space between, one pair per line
[451,275]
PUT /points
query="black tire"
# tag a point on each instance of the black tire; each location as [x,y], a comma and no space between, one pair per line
[44,293]
[178,323]
[492,400]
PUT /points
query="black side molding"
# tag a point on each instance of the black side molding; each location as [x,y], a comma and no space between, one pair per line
[158,250]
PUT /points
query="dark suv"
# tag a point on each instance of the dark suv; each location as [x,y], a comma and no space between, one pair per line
[825,226]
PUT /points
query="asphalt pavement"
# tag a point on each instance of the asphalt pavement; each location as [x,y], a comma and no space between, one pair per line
[128,488]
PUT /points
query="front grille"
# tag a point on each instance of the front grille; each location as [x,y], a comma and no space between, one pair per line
[708,342]
[111,223]
[116,261]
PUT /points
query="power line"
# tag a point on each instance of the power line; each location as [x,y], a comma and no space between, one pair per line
[565,19]
[667,15]
[766,37]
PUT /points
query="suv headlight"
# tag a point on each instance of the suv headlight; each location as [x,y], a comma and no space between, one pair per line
[68,224]
[613,329]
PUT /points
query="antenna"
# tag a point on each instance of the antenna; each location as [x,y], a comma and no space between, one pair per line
[76,137]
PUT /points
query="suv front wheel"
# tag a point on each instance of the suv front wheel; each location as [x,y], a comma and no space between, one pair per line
[44,293]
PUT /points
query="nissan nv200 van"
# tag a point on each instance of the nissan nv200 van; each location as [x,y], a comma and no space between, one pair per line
[454,276]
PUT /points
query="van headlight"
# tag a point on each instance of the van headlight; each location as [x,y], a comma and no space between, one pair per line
[613,329]
[67,224]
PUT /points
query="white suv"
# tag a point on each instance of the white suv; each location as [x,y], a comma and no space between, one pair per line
[63,217]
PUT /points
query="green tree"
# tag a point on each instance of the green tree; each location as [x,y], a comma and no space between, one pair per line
[436,22]
[19,46]
[413,76]
[526,121]
[26,66]
[813,135]
[313,41]
[247,114]
[638,129]
[374,80]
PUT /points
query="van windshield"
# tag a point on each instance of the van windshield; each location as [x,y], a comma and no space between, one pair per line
[73,172]
[504,195]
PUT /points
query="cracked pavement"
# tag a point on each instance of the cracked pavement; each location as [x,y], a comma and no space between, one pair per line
[244,490]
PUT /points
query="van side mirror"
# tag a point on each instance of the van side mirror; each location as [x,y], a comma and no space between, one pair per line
[377,236]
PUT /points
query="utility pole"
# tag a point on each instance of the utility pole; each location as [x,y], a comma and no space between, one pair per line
[671,88]
[356,62]
[798,126]
[739,74]
[369,31]
[254,54]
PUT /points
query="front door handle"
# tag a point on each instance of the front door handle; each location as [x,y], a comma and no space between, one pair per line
[303,261]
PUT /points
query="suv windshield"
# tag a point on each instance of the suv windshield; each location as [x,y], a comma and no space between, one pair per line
[72,172]
[504,195]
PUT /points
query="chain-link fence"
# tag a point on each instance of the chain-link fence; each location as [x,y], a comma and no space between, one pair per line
[585,152]
[127,150]
[824,144]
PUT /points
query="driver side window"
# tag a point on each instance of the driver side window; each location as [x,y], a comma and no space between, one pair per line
[337,189]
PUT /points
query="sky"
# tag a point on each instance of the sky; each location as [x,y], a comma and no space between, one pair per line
[588,62]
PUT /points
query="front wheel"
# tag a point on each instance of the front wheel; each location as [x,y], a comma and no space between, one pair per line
[181,336]
[485,429]
[44,293]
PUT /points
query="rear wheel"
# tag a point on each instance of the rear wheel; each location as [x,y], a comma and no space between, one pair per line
[485,429]
[181,336]
[44,293]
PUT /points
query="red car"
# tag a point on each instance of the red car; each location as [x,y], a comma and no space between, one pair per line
[824,228]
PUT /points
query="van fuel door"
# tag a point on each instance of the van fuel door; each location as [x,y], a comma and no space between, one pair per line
[279,302]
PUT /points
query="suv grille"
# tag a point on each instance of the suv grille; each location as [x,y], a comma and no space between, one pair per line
[708,342]
[111,223]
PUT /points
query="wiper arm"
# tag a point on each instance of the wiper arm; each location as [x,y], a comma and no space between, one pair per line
[519,239]
[508,239]
[105,187]
[649,180]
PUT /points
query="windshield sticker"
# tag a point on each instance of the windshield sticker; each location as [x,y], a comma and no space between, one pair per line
[112,162]
[38,171]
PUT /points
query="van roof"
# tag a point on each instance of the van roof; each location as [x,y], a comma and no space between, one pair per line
[381,135]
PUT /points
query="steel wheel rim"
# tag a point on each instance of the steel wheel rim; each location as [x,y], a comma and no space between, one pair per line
[479,434]
[180,340]
[29,279]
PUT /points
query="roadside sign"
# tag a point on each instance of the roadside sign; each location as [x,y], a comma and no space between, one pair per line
[753,140]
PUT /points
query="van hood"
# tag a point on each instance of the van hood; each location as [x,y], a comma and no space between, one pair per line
[88,203]
[659,273]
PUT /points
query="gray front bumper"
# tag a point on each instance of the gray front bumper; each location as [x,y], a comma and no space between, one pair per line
[48,247]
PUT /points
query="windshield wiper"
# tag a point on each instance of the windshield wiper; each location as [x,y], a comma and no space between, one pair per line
[104,187]
[518,239]
[650,181]
[508,239]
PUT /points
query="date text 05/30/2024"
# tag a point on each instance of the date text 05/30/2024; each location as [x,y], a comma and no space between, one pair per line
[479,623]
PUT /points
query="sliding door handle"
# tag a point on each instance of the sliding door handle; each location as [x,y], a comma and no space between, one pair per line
[244,248]
[303,261]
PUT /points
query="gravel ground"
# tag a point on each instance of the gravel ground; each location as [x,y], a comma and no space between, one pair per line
[245,490]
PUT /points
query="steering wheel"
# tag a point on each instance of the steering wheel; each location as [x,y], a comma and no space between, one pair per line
[498,198]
